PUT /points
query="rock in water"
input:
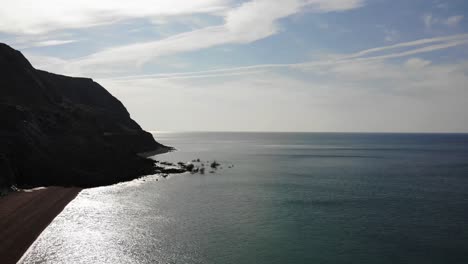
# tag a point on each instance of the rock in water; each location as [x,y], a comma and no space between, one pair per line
[214,165]
[59,130]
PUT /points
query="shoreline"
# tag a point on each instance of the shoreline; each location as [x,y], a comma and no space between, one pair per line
[156,152]
[25,214]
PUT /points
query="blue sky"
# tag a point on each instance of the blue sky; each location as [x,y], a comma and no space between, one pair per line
[260,65]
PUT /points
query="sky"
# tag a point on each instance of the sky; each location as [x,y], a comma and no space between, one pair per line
[260,65]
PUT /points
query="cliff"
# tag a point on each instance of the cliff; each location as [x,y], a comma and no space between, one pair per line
[59,130]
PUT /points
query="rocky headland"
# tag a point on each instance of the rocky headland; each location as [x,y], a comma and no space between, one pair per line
[65,131]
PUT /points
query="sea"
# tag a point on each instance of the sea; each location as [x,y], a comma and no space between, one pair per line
[278,198]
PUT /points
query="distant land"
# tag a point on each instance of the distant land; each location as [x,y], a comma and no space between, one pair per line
[66,131]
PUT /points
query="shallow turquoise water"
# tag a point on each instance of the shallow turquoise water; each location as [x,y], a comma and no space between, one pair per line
[290,198]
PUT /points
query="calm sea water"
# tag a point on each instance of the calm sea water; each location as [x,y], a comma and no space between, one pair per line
[290,198]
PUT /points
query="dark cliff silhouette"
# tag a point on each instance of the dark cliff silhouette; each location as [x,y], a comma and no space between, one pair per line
[59,130]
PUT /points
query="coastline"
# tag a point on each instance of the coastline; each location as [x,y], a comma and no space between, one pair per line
[25,214]
[156,152]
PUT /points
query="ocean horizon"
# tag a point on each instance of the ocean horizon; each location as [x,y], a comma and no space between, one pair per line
[279,197]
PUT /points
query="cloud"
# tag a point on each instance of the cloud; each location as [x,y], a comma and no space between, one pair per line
[246,24]
[446,39]
[35,17]
[416,63]
[374,54]
[381,96]
[361,91]
[31,41]
[107,68]
[335,5]
[243,24]
[453,21]
[48,63]
[20,43]
[391,35]
[430,48]
[52,42]
[429,21]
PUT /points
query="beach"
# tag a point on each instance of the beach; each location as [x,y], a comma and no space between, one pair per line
[25,214]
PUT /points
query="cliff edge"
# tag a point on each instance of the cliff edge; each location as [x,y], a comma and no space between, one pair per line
[59,130]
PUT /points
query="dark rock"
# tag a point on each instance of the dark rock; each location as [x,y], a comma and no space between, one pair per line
[7,176]
[173,170]
[169,170]
[59,130]
[214,165]
[189,167]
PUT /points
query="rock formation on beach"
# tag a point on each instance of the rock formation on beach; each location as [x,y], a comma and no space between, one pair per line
[59,130]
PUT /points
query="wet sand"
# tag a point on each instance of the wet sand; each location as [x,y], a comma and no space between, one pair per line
[24,215]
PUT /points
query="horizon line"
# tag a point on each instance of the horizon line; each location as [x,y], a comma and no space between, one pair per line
[299,132]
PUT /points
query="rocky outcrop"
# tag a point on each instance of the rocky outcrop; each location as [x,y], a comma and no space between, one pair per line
[59,130]
[6,175]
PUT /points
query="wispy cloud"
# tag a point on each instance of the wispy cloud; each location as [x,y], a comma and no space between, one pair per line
[430,20]
[374,54]
[47,40]
[391,35]
[413,95]
[420,42]
[34,17]
[453,20]
[243,24]
[334,5]
[417,63]
[53,42]
[399,50]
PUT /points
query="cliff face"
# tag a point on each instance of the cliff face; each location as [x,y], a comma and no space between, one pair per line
[59,130]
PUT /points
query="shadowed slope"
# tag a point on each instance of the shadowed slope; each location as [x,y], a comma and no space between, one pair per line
[59,130]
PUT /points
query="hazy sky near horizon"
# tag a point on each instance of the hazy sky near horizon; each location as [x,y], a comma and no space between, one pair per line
[260,65]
